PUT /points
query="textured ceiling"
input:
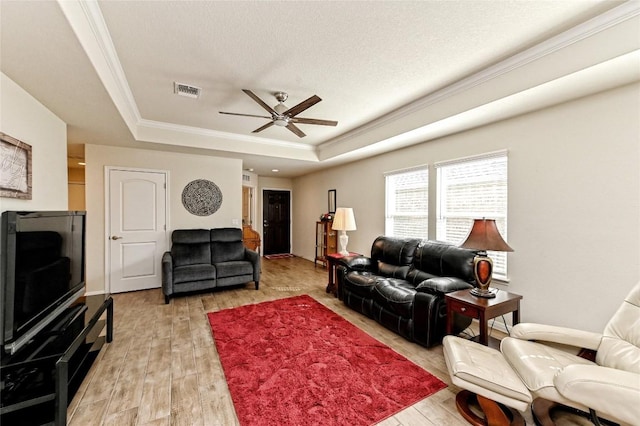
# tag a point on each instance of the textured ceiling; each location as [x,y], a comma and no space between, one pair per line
[365,59]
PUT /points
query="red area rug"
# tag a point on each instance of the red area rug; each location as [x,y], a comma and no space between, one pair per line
[295,362]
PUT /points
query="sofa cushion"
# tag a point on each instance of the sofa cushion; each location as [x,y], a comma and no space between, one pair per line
[225,252]
[226,235]
[438,259]
[393,251]
[190,247]
[396,295]
[360,283]
[190,236]
[416,276]
[393,271]
[197,272]
[226,244]
[442,285]
[233,268]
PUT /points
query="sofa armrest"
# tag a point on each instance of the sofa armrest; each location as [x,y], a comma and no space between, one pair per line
[167,273]
[356,263]
[586,384]
[555,334]
[254,258]
[442,285]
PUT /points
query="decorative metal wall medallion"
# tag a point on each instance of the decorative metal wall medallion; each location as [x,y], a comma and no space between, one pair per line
[201,197]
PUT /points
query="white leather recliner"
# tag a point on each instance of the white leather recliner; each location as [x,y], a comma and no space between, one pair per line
[546,360]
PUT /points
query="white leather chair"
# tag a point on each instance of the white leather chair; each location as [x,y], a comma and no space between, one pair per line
[546,359]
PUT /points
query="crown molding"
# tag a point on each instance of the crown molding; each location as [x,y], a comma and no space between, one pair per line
[610,74]
[600,23]
[199,131]
[196,137]
[87,22]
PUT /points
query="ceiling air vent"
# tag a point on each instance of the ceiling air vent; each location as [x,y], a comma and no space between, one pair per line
[186,90]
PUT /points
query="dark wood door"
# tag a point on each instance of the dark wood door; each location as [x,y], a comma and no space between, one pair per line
[276,221]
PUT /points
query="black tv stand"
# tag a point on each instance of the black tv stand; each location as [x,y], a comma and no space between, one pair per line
[40,379]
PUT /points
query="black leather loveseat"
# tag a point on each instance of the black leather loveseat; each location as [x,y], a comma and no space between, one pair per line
[402,285]
[202,259]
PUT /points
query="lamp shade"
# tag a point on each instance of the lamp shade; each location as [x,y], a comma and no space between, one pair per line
[484,235]
[344,220]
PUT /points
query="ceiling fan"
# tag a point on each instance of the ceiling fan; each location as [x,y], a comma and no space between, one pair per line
[283,116]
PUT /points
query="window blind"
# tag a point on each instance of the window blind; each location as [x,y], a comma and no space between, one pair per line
[473,188]
[407,199]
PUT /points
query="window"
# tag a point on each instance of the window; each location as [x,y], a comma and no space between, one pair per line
[407,199]
[468,189]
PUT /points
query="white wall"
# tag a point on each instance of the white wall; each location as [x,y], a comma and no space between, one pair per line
[574,202]
[182,168]
[26,119]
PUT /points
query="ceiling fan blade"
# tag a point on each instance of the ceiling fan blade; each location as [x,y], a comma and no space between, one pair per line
[245,115]
[296,130]
[266,126]
[314,121]
[292,112]
[259,101]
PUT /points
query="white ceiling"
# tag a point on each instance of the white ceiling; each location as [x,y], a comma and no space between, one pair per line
[107,68]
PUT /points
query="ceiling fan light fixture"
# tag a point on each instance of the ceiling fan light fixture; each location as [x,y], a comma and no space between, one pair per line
[280,108]
[281,121]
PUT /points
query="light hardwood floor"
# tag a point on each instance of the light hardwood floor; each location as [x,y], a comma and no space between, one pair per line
[162,367]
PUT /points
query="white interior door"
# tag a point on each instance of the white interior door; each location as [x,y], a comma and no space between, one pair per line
[137,229]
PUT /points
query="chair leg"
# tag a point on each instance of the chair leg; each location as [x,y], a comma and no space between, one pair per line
[495,414]
[541,410]
[257,284]
[594,417]
[166,300]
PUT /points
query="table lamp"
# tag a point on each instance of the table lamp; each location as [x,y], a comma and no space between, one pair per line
[344,221]
[484,236]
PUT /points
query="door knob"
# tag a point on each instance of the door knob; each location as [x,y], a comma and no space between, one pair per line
[115,237]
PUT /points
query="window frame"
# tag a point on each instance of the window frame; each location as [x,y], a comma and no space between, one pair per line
[501,217]
[389,200]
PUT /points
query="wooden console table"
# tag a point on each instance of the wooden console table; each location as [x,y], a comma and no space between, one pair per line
[482,309]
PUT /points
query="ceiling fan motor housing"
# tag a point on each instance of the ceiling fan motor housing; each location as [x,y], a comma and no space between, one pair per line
[280,119]
[281,96]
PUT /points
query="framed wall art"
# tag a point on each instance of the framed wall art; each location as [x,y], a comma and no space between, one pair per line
[15,168]
[332,201]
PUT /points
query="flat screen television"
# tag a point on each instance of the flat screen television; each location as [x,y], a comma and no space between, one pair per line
[42,255]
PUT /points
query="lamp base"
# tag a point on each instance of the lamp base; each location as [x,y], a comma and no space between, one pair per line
[483,270]
[487,294]
[344,240]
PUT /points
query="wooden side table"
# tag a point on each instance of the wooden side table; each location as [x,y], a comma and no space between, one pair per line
[332,262]
[482,309]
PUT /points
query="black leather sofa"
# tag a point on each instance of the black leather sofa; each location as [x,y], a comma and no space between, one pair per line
[202,259]
[402,285]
